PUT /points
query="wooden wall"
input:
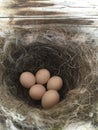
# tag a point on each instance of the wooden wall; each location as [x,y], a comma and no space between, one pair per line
[29,12]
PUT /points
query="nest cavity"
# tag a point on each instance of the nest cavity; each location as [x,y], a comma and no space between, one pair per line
[71,61]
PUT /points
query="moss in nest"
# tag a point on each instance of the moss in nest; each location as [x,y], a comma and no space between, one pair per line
[71,61]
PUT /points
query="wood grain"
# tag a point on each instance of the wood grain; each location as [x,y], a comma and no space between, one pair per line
[30,12]
[74,9]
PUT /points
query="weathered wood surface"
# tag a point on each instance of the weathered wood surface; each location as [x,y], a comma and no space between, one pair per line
[51,8]
[30,12]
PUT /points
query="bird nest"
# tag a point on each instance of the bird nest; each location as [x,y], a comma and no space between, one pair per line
[53,49]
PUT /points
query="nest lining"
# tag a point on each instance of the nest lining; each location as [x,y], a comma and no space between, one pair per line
[67,61]
[72,61]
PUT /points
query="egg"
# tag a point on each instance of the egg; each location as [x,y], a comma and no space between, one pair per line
[42,76]
[50,99]
[55,83]
[36,92]
[27,79]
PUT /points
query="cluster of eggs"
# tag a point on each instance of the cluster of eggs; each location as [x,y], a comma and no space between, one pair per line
[48,95]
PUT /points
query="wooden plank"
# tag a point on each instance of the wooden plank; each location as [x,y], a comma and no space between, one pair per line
[27,13]
[49,8]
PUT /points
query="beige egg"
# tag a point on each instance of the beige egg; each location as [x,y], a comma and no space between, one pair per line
[42,76]
[27,79]
[50,99]
[55,83]
[36,92]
